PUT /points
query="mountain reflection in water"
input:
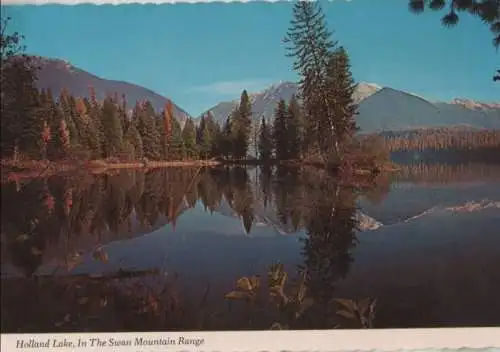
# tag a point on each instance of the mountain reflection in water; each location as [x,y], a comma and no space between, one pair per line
[160,250]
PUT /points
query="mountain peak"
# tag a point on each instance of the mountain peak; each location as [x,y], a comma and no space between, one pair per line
[59,74]
[264,102]
[370,85]
[473,104]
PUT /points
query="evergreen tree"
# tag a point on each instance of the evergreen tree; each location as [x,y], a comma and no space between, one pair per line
[67,105]
[242,123]
[87,132]
[199,130]
[226,139]
[64,137]
[280,133]
[112,128]
[166,138]
[265,146]
[162,136]
[133,137]
[217,139]
[54,121]
[294,126]
[204,138]
[74,135]
[341,85]
[30,141]
[18,74]
[146,125]
[176,150]
[94,112]
[312,57]
[189,139]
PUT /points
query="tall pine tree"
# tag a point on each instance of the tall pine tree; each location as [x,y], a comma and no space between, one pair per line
[242,125]
[309,42]
[265,146]
[112,128]
[189,139]
[341,86]
[294,127]
[280,133]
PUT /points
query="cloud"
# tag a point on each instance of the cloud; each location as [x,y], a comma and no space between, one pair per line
[233,87]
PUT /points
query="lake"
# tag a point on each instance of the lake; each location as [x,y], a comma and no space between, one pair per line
[252,248]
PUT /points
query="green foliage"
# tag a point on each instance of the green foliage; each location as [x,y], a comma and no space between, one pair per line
[314,62]
[241,127]
[146,125]
[280,135]
[176,149]
[133,141]
[341,87]
[189,139]
[35,125]
[18,74]
[206,135]
[112,128]
[295,129]
[265,146]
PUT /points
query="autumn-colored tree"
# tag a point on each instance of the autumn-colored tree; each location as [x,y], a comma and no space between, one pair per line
[64,137]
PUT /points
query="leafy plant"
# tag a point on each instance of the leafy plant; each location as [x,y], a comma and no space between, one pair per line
[246,288]
[362,311]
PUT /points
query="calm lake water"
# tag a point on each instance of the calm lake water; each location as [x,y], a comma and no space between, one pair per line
[425,244]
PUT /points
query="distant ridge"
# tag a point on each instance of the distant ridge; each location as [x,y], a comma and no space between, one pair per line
[382,109]
[58,74]
[264,102]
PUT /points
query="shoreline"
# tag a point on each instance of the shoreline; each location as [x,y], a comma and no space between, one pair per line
[42,168]
[33,169]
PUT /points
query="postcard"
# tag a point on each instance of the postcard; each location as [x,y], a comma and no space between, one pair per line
[295,175]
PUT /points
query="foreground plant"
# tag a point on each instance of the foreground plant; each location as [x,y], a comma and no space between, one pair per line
[361,311]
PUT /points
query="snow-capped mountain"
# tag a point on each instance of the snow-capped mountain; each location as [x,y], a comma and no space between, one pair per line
[264,102]
[382,109]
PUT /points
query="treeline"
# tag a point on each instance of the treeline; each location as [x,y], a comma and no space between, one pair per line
[84,128]
[442,173]
[74,127]
[35,125]
[443,139]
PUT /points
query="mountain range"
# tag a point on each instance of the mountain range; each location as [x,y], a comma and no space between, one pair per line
[59,74]
[380,108]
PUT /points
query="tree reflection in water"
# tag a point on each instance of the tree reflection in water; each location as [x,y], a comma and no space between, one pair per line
[57,221]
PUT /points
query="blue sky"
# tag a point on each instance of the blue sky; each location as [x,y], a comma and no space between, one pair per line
[201,54]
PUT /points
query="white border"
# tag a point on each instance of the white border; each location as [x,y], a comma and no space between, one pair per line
[307,340]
